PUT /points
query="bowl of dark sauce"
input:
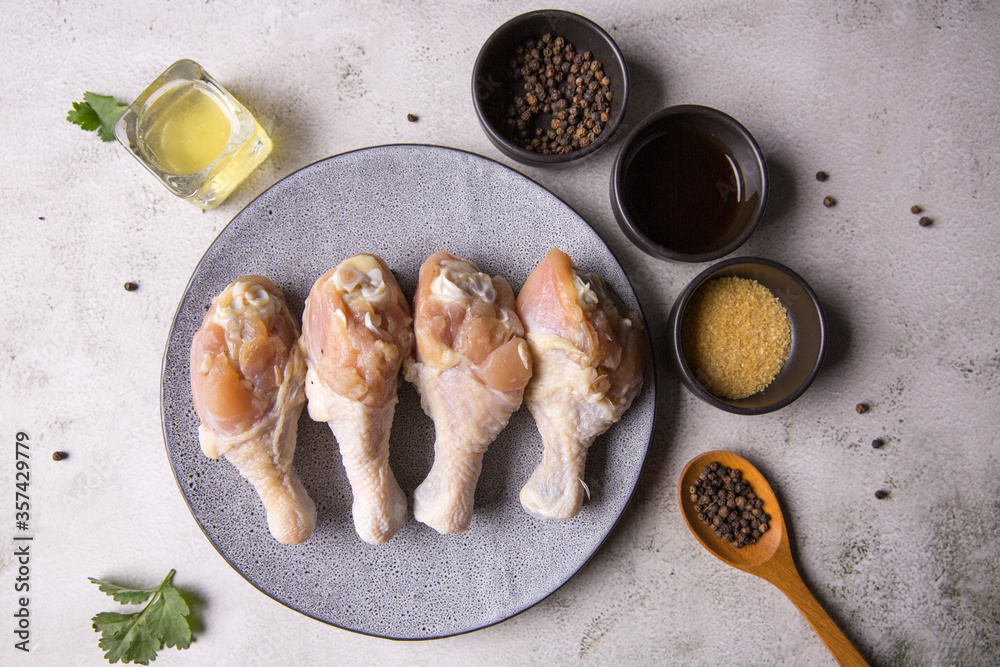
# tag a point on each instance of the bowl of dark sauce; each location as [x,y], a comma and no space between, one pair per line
[689,184]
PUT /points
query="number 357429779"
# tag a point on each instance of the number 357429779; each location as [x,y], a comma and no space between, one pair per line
[22,480]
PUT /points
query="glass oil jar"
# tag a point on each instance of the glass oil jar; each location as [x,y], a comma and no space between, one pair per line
[195,137]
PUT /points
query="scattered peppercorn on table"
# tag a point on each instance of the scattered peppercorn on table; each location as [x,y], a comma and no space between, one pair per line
[882,197]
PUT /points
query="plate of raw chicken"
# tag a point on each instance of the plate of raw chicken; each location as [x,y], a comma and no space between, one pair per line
[405,333]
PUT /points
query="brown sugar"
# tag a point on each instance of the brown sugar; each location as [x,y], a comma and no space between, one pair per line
[736,336]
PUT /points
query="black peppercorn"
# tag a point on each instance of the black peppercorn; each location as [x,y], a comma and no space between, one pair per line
[725,503]
[564,80]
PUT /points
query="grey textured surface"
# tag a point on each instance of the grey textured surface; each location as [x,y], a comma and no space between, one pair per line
[403,203]
[898,101]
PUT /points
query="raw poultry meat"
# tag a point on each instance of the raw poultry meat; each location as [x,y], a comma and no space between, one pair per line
[355,335]
[471,367]
[588,352]
[247,376]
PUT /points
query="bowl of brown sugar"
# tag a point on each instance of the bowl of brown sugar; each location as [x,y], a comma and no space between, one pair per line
[748,335]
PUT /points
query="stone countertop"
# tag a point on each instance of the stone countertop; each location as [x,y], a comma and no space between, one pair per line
[898,102]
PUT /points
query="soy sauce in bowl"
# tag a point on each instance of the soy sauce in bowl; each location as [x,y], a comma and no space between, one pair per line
[689,184]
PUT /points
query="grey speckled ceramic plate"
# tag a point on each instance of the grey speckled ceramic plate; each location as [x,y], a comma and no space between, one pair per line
[403,203]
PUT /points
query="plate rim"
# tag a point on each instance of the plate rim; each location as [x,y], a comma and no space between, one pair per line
[649,380]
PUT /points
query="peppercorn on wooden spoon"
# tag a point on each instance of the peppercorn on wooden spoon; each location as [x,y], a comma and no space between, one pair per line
[770,558]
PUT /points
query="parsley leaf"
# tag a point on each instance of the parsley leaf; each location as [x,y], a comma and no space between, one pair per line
[122,594]
[84,115]
[97,112]
[138,636]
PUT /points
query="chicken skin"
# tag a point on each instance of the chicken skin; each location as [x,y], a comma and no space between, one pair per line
[356,332]
[247,376]
[588,352]
[471,367]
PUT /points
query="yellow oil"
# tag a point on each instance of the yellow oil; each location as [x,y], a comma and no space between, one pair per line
[239,164]
[185,129]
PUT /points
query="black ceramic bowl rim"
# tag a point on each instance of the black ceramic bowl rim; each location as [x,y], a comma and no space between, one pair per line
[505,145]
[637,134]
[676,353]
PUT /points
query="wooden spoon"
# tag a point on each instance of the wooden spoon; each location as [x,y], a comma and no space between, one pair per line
[770,558]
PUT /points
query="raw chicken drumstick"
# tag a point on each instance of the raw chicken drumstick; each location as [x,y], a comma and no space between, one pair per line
[471,368]
[247,376]
[588,352]
[355,335]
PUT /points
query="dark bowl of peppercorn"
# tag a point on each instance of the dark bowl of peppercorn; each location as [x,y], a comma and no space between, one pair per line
[689,184]
[549,87]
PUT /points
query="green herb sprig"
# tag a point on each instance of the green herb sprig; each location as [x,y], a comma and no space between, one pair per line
[97,112]
[137,637]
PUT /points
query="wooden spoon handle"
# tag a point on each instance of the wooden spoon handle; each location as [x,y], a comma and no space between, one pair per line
[836,641]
